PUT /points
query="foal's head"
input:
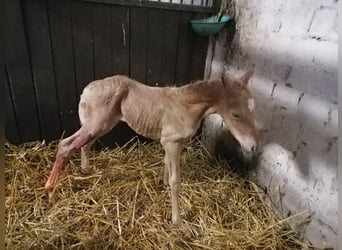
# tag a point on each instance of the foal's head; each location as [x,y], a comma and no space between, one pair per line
[236,108]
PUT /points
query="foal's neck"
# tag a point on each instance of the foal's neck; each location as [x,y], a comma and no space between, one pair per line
[201,96]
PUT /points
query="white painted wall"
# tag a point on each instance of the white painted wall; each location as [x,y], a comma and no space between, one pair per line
[293,45]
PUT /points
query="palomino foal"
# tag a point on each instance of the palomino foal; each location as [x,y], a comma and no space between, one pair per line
[169,114]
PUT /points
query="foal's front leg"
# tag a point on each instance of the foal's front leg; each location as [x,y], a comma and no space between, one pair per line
[172,157]
[166,171]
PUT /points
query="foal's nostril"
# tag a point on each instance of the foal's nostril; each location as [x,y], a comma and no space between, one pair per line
[253,149]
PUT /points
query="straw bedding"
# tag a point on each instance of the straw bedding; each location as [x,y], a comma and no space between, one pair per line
[120,202]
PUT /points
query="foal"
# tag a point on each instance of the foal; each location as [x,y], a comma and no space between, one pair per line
[169,114]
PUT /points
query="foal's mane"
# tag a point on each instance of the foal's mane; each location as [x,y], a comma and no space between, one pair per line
[201,91]
[202,85]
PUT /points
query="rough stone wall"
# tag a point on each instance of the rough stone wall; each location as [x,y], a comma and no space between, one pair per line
[293,45]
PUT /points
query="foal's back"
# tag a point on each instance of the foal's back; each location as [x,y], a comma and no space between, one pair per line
[145,109]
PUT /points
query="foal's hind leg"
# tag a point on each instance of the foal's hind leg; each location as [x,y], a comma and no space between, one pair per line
[89,132]
[68,146]
[65,149]
[85,150]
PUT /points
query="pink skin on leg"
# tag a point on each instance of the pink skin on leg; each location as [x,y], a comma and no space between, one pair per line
[66,148]
[53,178]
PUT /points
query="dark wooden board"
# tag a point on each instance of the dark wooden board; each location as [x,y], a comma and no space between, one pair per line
[53,49]
[139,18]
[138,56]
[103,51]
[121,61]
[19,72]
[37,25]
[184,49]
[157,5]
[61,36]
[155,46]
[199,54]
[11,129]
[169,55]
[120,40]
[198,58]
[102,40]
[82,44]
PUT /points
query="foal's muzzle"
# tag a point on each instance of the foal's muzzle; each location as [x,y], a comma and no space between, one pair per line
[251,152]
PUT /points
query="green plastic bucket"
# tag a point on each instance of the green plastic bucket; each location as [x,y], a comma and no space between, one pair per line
[209,26]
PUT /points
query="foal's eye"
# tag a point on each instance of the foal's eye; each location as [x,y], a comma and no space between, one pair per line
[236,116]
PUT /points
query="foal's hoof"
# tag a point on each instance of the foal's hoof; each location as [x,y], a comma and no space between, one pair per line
[50,195]
[86,170]
[176,221]
[49,191]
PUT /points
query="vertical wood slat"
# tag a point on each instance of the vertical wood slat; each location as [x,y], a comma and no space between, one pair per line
[120,39]
[154,46]
[37,26]
[198,58]
[19,72]
[199,54]
[82,44]
[169,55]
[102,51]
[184,49]
[11,128]
[139,17]
[121,61]
[61,36]
[101,26]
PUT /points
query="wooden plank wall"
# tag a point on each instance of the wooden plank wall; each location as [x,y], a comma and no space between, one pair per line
[55,48]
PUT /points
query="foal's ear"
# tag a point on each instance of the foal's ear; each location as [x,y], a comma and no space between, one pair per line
[226,79]
[237,83]
[244,79]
